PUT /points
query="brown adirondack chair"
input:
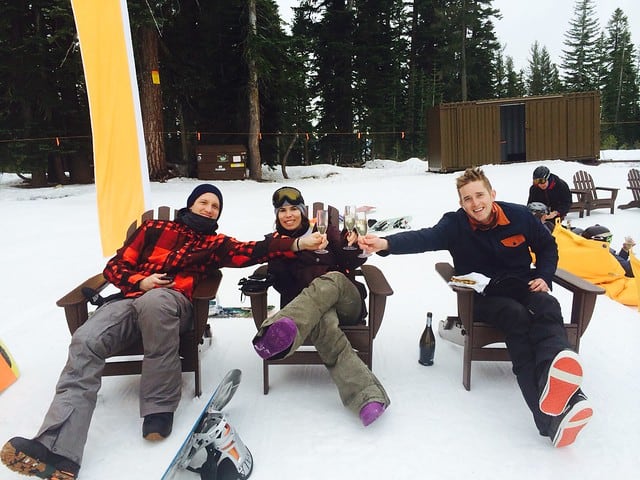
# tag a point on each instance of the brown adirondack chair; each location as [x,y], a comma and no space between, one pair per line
[360,336]
[580,203]
[76,311]
[481,341]
[584,182]
[634,186]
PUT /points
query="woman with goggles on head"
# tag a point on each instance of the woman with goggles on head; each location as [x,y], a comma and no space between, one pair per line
[318,292]
[551,190]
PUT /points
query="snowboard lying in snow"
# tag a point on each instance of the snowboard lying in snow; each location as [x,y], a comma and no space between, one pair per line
[212,448]
[227,312]
[402,223]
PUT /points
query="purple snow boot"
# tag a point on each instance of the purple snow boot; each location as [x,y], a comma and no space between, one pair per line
[371,412]
[278,337]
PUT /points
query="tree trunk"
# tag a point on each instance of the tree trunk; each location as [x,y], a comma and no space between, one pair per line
[283,165]
[253,147]
[80,169]
[55,169]
[411,87]
[463,53]
[151,105]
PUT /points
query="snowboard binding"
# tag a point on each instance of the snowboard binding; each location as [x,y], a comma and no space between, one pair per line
[227,457]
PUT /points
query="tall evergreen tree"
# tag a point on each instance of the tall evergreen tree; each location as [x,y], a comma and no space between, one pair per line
[334,81]
[542,78]
[299,103]
[509,83]
[620,92]
[467,49]
[425,86]
[580,58]
[379,71]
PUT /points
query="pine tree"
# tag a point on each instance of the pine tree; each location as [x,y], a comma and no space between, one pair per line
[42,91]
[515,86]
[620,91]
[379,70]
[542,78]
[333,84]
[580,59]
[466,48]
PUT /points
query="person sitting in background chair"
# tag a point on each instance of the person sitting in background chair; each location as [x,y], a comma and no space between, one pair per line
[551,190]
[602,234]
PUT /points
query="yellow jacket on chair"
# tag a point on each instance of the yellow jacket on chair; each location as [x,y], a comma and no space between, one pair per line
[592,261]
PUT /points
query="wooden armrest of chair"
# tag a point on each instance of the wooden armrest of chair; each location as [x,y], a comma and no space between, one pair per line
[609,189]
[464,295]
[445,270]
[574,283]
[584,297]
[379,290]
[203,292]
[376,281]
[260,271]
[259,300]
[207,289]
[75,296]
[75,303]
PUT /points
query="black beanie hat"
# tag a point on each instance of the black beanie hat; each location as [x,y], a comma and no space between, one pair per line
[201,190]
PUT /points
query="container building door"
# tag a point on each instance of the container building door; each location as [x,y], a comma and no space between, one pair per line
[512,133]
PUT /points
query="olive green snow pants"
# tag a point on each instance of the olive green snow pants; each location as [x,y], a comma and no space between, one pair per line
[317,311]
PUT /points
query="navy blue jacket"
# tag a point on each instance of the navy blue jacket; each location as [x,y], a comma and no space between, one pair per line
[502,250]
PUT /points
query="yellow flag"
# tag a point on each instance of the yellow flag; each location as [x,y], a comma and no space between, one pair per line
[120,160]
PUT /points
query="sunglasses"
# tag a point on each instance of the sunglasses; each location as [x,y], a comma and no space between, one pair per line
[539,181]
[603,238]
[287,194]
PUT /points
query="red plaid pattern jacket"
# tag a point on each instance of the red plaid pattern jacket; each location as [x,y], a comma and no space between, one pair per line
[162,246]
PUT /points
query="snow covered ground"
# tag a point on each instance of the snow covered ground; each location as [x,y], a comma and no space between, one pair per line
[433,428]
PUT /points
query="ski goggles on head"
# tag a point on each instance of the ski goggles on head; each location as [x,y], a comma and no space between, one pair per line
[287,194]
[604,237]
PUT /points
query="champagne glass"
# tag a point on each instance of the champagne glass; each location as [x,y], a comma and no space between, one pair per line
[322,219]
[362,227]
[349,222]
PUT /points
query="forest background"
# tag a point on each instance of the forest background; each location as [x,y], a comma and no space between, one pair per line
[347,81]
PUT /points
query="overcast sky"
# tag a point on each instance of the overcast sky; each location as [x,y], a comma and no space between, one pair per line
[525,21]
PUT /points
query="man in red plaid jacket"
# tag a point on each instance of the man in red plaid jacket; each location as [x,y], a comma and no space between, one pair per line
[156,271]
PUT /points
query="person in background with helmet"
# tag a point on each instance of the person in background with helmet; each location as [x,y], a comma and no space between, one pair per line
[602,234]
[551,190]
[540,211]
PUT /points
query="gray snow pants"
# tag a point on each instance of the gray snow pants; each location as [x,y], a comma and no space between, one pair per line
[329,300]
[157,317]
